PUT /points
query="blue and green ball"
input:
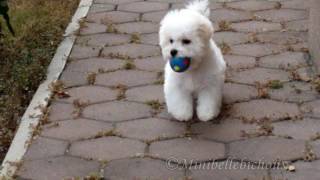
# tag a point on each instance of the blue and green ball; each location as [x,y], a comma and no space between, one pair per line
[180,64]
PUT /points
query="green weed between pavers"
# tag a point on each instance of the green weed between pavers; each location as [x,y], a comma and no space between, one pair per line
[39,25]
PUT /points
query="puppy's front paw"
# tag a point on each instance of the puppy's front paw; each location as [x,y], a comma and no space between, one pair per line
[182,113]
[206,113]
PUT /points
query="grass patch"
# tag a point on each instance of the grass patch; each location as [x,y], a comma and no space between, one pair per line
[39,26]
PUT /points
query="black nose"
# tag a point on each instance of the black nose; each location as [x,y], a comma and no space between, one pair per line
[173,52]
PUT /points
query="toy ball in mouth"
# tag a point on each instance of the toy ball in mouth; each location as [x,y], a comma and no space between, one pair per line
[180,64]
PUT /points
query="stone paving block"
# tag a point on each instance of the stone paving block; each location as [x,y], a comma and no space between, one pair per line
[237,92]
[138,27]
[57,168]
[75,129]
[226,130]
[260,75]
[90,94]
[189,149]
[154,16]
[126,77]
[252,5]
[107,148]
[145,168]
[213,5]
[146,93]
[286,60]
[60,111]
[151,129]
[304,170]
[101,8]
[296,4]
[112,17]
[256,49]
[230,38]
[95,65]
[301,25]
[102,40]
[115,2]
[227,170]
[256,26]
[229,15]
[294,92]
[284,38]
[281,15]
[312,108]
[70,78]
[305,73]
[240,62]
[132,50]
[267,149]
[142,7]
[117,111]
[92,28]
[264,108]
[303,129]
[169,1]
[43,148]
[152,39]
[81,52]
[150,63]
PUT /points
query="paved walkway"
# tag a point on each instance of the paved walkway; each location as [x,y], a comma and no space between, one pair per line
[115,125]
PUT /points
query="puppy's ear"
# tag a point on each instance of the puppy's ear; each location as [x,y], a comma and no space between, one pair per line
[205,31]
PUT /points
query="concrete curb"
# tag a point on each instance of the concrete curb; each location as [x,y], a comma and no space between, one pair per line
[32,115]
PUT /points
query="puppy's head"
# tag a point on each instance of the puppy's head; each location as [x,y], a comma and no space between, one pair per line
[185,33]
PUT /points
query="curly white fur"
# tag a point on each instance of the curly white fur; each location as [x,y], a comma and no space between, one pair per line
[205,77]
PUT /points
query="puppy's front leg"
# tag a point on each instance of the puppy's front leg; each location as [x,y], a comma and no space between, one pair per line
[179,103]
[209,103]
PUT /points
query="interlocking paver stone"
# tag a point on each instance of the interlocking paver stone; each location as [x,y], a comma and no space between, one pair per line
[296,4]
[256,26]
[152,129]
[57,168]
[298,129]
[115,1]
[231,38]
[287,60]
[150,63]
[117,111]
[282,37]
[300,25]
[188,149]
[231,93]
[143,7]
[267,149]
[154,16]
[60,111]
[76,129]
[229,15]
[146,93]
[281,15]
[93,28]
[101,8]
[105,39]
[95,65]
[138,27]
[239,62]
[145,168]
[213,5]
[226,130]
[71,78]
[256,49]
[44,148]
[126,77]
[252,5]
[151,38]
[107,148]
[132,50]
[260,75]
[313,108]
[90,94]
[81,52]
[112,17]
[260,109]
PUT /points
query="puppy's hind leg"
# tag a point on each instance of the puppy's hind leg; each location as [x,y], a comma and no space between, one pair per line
[209,103]
[179,103]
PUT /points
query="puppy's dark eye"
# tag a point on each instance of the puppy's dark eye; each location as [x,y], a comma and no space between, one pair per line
[171,41]
[186,41]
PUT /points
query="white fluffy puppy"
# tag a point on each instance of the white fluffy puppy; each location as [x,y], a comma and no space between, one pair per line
[188,33]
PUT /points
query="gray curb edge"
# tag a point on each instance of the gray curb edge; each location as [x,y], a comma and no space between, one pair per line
[32,115]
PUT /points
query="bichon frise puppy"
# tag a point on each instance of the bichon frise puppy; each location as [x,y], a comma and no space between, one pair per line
[187,33]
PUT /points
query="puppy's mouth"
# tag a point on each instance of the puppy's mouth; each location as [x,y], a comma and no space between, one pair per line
[180,64]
